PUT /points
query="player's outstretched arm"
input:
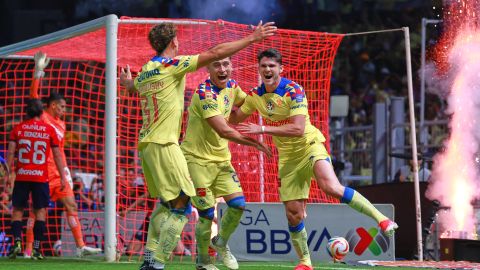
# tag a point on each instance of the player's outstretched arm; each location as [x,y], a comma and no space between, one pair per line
[126,79]
[220,126]
[262,31]
[57,157]
[41,62]
[296,128]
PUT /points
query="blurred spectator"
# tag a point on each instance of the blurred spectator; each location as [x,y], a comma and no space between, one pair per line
[97,194]
[5,204]
[405,173]
[84,202]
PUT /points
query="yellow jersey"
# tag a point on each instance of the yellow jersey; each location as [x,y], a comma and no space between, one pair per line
[161,86]
[202,144]
[286,101]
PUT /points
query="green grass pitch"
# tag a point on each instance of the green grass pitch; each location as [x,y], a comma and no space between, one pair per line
[52,263]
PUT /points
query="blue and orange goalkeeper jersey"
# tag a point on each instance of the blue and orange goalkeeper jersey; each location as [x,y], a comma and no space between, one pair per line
[286,101]
[202,144]
[161,86]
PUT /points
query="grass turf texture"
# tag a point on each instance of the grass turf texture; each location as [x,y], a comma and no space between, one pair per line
[52,263]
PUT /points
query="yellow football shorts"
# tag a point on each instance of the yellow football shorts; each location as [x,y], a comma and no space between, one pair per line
[166,171]
[296,172]
[212,180]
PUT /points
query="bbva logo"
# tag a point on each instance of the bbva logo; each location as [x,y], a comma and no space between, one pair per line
[360,240]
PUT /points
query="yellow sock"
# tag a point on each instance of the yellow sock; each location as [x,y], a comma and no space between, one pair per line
[157,219]
[203,231]
[170,233]
[230,222]
[300,243]
[361,204]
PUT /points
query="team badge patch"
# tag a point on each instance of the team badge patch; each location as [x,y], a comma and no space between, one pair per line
[270,107]
[208,95]
[226,101]
[201,192]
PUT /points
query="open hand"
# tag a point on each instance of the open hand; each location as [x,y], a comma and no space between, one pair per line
[262,31]
[265,149]
[41,60]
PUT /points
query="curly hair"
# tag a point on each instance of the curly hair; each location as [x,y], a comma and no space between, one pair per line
[161,35]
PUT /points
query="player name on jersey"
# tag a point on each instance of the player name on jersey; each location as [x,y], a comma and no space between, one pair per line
[34,134]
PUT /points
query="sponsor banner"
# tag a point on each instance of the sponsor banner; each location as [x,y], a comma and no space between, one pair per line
[93,230]
[263,233]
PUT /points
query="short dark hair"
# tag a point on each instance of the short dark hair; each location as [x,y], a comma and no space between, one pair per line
[161,35]
[34,108]
[270,53]
[54,96]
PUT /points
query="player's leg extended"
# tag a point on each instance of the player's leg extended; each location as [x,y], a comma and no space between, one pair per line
[171,230]
[295,210]
[231,218]
[328,182]
[68,201]
[29,235]
[228,186]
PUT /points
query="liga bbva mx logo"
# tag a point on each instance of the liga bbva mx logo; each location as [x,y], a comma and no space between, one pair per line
[360,240]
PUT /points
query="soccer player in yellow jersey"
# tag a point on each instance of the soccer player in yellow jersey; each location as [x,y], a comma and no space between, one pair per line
[283,105]
[161,86]
[206,149]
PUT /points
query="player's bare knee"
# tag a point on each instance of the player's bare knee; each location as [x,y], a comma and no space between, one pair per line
[40,214]
[70,205]
[295,217]
[71,208]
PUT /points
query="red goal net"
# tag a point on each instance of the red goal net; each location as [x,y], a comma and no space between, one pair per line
[77,71]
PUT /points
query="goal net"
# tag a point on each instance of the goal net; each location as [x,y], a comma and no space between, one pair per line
[77,71]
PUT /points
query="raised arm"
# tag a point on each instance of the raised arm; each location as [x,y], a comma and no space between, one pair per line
[296,128]
[224,50]
[41,62]
[220,126]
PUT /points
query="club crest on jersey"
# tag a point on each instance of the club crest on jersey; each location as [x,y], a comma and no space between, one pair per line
[201,192]
[270,107]
[226,101]
[208,95]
